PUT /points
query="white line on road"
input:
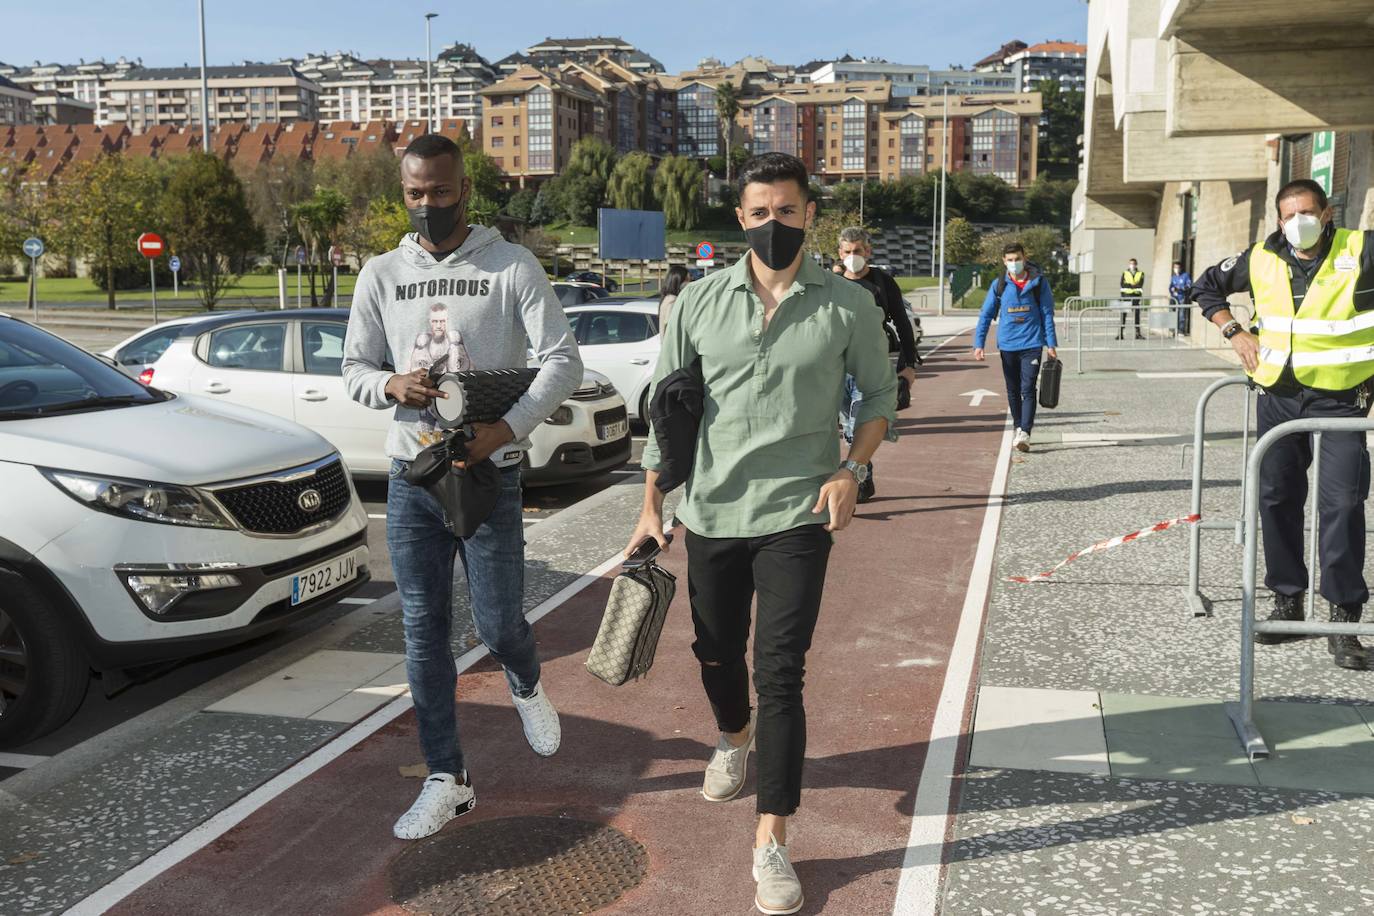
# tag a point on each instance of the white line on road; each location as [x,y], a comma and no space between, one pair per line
[1181,375]
[218,825]
[20,761]
[376,515]
[918,891]
[356,600]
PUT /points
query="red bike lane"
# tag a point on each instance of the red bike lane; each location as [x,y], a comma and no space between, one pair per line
[632,757]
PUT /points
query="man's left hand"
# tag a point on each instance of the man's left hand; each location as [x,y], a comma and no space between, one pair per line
[909,374]
[1054,354]
[839,495]
[487,439]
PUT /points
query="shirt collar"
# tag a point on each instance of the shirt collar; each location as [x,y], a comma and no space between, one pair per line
[810,274]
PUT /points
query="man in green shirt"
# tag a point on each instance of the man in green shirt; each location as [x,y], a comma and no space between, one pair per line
[775,335]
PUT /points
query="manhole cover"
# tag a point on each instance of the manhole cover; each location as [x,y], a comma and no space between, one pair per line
[518,866]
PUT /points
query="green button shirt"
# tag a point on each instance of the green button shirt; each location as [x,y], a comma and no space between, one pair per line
[769,437]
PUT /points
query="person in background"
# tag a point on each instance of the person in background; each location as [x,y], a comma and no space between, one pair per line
[672,285]
[1181,293]
[855,250]
[1023,305]
[1132,289]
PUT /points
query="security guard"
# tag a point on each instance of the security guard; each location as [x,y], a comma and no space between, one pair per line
[1132,288]
[1313,289]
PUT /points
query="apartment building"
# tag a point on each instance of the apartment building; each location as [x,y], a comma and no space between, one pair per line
[907,79]
[251,94]
[16,103]
[1063,62]
[552,53]
[85,81]
[638,112]
[352,89]
[532,118]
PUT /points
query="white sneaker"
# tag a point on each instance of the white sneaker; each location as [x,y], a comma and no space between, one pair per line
[779,890]
[727,768]
[540,719]
[1021,441]
[442,798]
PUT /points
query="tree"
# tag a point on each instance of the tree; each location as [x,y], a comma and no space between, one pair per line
[521,204]
[1060,127]
[1049,200]
[208,222]
[677,186]
[317,221]
[488,190]
[382,227]
[727,109]
[823,238]
[592,156]
[630,186]
[273,189]
[101,206]
[373,174]
[961,242]
[1044,248]
[981,197]
[545,209]
[23,211]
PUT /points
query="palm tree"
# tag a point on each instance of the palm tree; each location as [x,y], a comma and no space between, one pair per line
[727,108]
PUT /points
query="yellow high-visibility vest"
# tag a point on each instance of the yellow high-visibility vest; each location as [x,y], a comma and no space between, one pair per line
[1330,343]
[1135,278]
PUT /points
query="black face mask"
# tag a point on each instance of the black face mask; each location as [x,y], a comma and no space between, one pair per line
[435,224]
[776,244]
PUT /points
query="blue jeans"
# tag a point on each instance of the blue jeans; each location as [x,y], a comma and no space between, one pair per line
[423,549]
[1020,370]
[849,407]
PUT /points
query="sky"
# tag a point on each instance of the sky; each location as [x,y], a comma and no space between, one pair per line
[164,32]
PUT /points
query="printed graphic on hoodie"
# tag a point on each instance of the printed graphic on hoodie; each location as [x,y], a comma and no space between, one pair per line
[438,348]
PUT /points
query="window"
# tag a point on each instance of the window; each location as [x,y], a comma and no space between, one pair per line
[891,142]
[515,121]
[498,142]
[605,328]
[516,141]
[147,348]
[775,128]
[249,346]
[891,160]
[323,346]
[516,162]
[500,162]
[497,121]
[853,138]
[540,138]
[913,135]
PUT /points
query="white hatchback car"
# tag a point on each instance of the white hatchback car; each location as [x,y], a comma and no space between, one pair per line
[620,339]
[142,527]
[288,363]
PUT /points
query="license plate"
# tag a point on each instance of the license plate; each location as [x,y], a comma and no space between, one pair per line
[323,578]
[615,430]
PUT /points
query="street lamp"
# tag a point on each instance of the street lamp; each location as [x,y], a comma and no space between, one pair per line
[204,87]
[429,72]
[944,173]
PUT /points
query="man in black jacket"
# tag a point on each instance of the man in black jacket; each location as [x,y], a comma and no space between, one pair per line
[855,250]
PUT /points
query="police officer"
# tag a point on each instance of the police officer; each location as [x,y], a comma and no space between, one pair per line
[1313,289]
[1132,288]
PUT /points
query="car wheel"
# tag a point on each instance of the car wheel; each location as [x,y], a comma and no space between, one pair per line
[43,676]
[644,406]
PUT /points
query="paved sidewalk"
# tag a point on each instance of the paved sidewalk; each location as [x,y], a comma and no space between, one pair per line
[1105,776]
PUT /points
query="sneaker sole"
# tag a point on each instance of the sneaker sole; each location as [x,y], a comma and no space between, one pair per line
[734,795]
[1023,446]
[458,812]
[773,911]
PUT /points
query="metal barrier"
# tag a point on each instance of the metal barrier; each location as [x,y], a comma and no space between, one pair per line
[1242,713]
[1098,328]
[1198,604]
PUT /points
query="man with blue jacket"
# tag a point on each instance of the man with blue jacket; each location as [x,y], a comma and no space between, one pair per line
[1023,305]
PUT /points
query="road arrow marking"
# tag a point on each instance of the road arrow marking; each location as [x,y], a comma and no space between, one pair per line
[977,396]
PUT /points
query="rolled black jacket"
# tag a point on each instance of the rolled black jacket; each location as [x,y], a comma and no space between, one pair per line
[676,409]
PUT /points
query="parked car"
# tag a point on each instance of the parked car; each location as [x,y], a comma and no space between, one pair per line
[596,279]
[621,340]
[289,363]
[571,294]
[142,527]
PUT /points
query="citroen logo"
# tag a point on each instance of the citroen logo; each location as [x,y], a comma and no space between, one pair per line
[309,500]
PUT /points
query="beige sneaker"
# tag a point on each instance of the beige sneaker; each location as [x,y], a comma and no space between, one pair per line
[725,773]
[1021,440]
[779,891]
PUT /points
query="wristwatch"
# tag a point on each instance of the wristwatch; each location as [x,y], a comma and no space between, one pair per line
[1231,329]
[860,471]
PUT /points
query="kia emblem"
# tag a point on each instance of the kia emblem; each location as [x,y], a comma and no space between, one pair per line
[309,500]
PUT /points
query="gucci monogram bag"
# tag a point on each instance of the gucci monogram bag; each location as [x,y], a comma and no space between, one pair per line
[628,637]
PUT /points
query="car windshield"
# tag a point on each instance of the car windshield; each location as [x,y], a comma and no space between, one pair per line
[43,375]
[568,295]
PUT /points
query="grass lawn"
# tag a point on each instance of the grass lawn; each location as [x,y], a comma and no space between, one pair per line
[82,289]
[910,284]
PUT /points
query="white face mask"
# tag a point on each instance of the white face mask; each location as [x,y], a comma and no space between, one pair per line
[855,263]
[1016,268]
[1303,231]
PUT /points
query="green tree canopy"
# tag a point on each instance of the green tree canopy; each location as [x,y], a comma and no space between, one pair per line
[727,109]
[1050,200]
[961,242]
[273,189]
[630,187]
[983,198]
[677,186]
[1062,124]
[23,212]
[208,222]
[318,221]
[521,203]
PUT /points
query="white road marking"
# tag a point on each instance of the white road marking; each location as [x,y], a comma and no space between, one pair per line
[20,761]
[376,515]
[976,397]
[1181,374]
[356,600]
[918,891]
[215,827]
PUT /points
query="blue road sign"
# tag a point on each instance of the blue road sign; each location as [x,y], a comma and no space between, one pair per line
[300,254]
[175,263]
[705,251]
[33,247]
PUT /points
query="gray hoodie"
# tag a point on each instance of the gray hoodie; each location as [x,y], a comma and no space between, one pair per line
[482,307]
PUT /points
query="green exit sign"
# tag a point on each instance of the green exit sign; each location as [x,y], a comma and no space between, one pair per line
[1323,158]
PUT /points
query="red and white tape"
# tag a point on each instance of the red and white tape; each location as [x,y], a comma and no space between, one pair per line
[1113,542]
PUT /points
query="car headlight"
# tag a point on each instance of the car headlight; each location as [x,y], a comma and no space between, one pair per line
[167,504]
[563,416]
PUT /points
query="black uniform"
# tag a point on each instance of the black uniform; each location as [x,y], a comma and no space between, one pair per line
[889,297]
[1283,475]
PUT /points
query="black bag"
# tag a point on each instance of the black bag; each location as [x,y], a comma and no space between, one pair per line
[1050,373]
[903,393]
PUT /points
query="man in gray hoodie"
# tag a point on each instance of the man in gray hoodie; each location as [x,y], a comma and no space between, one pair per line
[461,297]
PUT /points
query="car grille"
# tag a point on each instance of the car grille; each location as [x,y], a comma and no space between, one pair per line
[273,506]
[593,392]
[607,417]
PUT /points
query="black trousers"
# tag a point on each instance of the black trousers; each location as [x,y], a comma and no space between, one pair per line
[1340,499]
[787,572]
[1135,307]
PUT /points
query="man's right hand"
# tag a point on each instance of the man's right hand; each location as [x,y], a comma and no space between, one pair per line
[412,389]
[1246,346]
[978,353]
[650,526]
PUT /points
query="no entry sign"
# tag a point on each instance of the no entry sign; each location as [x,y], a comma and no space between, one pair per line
[150,245]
